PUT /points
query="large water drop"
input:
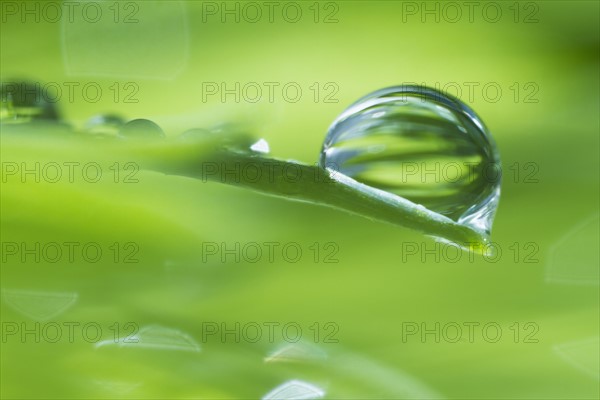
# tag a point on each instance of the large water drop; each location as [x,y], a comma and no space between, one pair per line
[422,145]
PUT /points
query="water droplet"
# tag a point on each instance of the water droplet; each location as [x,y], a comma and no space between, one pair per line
[22,101]
[156,337]
[422,145]
[296,352]
[296,390]
[141,129]
[39,306]
[261,146]
[104,125]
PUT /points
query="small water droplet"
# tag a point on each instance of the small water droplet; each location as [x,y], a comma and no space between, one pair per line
[296,390]
[141,129]
[156,337]
[260,147]
[422,145]
[296,352]
[37,305]
[104,125]
[23,101]
[226,137]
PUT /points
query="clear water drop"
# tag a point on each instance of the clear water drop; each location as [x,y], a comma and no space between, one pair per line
[261,146]
[38,305]
[295,390]
[303,351]
[104,125]
[422,145]
[226,137]
[24,101]
[141,129]
[156,337]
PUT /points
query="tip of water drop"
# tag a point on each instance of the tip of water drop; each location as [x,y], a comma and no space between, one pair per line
[481,216]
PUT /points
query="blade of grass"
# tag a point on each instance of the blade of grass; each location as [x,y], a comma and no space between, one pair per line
[219,159]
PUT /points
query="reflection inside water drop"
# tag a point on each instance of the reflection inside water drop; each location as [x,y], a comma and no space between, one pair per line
[421,145]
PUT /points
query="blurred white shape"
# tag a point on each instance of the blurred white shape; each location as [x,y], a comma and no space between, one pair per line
[156,337]
[393,382]
[296,352]
[117,387]
[295,390]
[261,146]
[143,39]
[38,305]
[574,258]
[583,355]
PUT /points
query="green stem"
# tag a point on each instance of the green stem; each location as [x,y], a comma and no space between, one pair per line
[216,159]
[313,184]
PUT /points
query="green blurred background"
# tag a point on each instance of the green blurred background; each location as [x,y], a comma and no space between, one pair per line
[544,57]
